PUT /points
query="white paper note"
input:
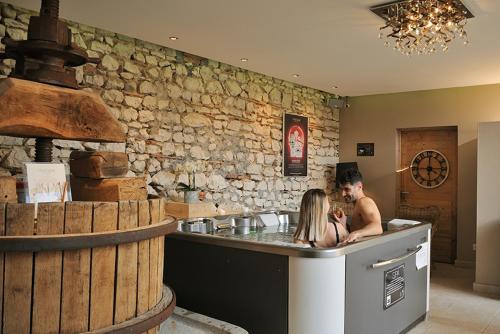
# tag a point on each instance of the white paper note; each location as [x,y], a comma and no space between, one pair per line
[422,256]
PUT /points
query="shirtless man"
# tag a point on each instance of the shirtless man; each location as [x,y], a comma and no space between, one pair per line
[366,217]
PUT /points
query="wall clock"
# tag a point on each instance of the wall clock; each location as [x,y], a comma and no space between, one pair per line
[429,168]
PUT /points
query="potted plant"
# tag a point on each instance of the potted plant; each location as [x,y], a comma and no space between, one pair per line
[191,192]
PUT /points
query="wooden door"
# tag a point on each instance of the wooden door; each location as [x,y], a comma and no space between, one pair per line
[415,191]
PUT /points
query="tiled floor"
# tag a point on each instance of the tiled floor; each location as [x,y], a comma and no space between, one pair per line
[455,308]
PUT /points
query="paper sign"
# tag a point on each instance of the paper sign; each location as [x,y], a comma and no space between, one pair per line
[45,182]
[422,256]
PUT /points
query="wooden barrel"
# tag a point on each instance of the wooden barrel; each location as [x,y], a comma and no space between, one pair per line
[83,267]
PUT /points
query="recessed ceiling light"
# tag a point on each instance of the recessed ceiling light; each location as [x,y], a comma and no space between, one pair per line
[335,87]
[295,75]
[173,38]
[244,59]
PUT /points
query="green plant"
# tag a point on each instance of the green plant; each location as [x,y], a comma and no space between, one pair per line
[188,167]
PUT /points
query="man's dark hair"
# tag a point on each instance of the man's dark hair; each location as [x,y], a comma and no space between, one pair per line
[351,175]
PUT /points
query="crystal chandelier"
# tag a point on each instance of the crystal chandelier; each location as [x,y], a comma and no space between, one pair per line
[422,26]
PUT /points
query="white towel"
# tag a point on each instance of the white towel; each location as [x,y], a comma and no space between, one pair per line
[395,223]
[269,219]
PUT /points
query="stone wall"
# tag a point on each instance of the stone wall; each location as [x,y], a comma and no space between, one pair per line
[176,107]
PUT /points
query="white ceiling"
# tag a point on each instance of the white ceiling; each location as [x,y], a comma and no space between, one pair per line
[328,42]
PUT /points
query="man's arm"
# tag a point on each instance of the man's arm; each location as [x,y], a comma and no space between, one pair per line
[370,215]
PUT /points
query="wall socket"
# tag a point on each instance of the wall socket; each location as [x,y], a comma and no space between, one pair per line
[474,247]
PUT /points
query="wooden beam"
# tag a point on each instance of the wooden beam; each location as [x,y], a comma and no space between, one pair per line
[98,165]
[32,109]
[109,190]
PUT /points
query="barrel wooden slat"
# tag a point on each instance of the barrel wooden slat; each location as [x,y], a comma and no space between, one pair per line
[2,232]
[143,262]
[102,279]
[48,269]
[154,209]
[18,272]
[161,246]
[76,271]
[126,279]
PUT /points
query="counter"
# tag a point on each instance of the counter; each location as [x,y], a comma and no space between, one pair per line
[266,284]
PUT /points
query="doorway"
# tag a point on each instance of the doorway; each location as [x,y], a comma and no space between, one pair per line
[428,177]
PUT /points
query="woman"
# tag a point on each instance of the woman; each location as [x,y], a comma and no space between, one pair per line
[313,227]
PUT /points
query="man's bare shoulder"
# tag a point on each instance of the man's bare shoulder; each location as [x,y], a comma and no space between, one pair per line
[366,202]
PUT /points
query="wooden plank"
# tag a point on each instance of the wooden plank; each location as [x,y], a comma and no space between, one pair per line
[190,210]
[126,276]
[143,262]
[154,209]
[98,165]
[8,189]
[32,109]
[76,271]
[161,247]
[18,272]
[48,272]
[109,190]
[102,281]
[2,232]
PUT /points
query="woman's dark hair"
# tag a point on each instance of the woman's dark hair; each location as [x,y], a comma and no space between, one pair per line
[351,176]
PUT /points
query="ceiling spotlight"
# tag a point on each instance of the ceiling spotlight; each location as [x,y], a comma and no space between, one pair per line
[244,59]
[295,75]
[335,87]
[173,38]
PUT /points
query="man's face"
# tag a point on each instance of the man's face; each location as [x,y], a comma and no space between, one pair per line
[351,192]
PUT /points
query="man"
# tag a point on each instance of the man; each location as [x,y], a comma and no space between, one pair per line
[366,219]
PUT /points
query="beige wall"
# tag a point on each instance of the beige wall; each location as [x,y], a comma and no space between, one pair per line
[376,118]
[488,210]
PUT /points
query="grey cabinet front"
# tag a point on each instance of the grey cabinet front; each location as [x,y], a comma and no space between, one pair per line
[367,289]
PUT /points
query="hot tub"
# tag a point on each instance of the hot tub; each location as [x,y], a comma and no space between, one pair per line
[264,283]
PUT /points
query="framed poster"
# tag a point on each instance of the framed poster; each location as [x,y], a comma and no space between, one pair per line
[365,149]
[295,130]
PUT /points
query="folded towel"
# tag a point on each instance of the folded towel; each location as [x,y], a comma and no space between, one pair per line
[401,222]
[269,219]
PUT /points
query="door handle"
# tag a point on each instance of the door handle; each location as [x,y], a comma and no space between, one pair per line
[382,263]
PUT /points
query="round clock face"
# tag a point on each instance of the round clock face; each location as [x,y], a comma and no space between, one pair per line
[429,168]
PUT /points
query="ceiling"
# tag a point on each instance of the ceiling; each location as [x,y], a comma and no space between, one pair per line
[327,42]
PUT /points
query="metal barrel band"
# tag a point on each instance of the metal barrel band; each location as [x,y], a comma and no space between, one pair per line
[61,242]
[145,321]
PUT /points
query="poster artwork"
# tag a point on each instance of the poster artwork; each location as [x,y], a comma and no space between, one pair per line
[295,129]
